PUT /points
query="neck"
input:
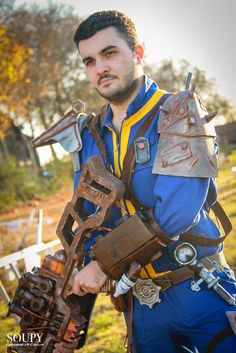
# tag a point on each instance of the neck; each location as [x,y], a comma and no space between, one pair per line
[119,109]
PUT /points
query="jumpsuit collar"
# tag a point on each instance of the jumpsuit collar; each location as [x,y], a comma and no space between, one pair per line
[145,93]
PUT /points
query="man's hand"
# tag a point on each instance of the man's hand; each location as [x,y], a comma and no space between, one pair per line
[64,347]
[89,280]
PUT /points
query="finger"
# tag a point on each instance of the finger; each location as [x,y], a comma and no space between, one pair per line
[57,348]
[80,292]
[68,348]
[68,345]
[64,347]
[89,289]
[78,289]
[93,290]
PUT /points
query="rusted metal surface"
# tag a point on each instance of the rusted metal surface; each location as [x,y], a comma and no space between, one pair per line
[42,299]
[186,143]
[66,131]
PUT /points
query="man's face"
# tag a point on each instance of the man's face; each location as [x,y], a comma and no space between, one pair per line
[111,66]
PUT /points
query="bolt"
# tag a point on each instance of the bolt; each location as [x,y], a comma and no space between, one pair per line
[141,145]
[191,120]
[184,146]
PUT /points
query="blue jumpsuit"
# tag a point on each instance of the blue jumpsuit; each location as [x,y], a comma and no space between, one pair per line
[180,204]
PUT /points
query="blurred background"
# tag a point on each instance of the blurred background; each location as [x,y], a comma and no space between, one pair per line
[41,74]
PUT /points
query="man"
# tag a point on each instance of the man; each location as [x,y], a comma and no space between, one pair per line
[113,59]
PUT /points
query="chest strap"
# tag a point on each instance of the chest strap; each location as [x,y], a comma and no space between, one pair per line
[94,129]
[126,176]
[217,209]
[129,160]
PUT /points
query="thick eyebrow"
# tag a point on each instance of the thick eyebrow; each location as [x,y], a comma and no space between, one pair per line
[107,48]
[104,50]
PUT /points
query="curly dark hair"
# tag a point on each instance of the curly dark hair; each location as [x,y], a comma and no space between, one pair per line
[103,19]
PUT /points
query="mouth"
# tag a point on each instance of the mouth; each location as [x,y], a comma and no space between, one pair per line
[105,81]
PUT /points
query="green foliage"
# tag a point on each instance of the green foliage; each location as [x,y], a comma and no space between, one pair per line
[16,183]
[227,196]
[107,330]
[21,184]
[7,326]
[60,172]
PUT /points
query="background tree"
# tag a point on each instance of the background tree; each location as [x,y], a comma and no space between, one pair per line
[172,77]
[13,65]
[43,68]
[42,73]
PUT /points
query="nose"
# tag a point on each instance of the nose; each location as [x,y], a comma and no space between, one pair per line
[101,67]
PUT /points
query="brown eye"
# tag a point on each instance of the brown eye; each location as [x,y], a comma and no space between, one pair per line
[89,62]
[109,53]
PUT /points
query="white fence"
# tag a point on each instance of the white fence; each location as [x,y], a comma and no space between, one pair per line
[30,255]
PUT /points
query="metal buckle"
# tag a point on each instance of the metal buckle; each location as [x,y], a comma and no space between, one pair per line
[147,292]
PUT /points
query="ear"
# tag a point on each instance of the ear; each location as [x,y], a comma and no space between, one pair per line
[139,51]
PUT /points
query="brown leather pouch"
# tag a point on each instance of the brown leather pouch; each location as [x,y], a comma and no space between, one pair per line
[133,240]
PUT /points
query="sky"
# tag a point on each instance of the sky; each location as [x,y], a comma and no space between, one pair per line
[199,31]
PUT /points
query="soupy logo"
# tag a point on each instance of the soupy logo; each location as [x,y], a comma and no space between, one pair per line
[25,339]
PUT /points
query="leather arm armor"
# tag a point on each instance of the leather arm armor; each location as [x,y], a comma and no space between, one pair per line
[137,239]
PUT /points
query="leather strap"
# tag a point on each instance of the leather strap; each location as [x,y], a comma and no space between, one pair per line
[173,277]
[185,272]
[129,160]
[94,129]
[220,336]
[128,341]
[126,175]
[222,216]
[202,240]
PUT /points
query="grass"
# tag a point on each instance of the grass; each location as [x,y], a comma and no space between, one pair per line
[227,196]
[107,329]
[106,332]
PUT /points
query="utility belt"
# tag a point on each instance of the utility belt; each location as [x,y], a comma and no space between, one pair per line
[138,238]
[169,278]
[147,290]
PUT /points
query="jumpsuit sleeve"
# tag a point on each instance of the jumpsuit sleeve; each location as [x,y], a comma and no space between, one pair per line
[179,201]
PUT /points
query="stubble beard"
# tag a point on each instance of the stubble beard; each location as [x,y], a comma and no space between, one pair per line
[121,93]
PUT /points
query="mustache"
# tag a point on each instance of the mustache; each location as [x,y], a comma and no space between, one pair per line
[102,76]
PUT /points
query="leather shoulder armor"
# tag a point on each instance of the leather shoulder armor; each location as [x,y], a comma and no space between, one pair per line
[67,132]
[186,138]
